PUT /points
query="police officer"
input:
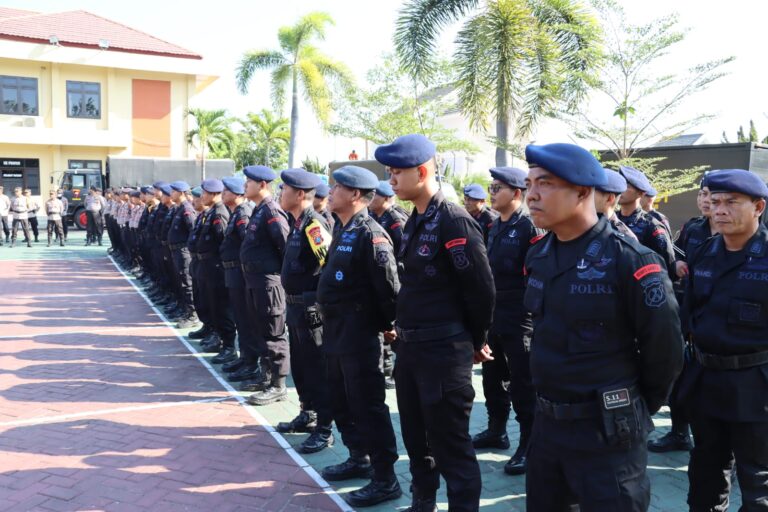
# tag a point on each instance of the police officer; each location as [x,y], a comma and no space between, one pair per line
[181,226]
[305,254]
[5,211]
[239,212]
[174,309]
[93,207]
[507,378]
[200,305]
[384,211]
[149,204]
[727,315]
[357,293]
[20,209]
[65,214]
[606,343]
[53,210]
[605,201]
[649,231]
[137,209]
[34,207]
[474,202]
[320,203]
[444,310]
[647,204]
[209,263]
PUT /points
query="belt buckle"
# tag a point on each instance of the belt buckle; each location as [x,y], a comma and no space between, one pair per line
[616,399]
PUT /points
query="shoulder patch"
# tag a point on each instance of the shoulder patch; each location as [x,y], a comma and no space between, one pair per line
[455,242]
[273,219]
[395,225]
[380,240]
[536,238]
[647,269]
[658,231]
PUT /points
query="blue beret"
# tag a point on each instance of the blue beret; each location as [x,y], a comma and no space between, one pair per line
[512,176]
[165,188]
[135,193]
[234,184]
[384,189]
[159,184]
[259,173]
[616,183]
[406,151]
[635,178]
[212,186]
[180,186]
[322,190]
[652,192]
[353,176]
[570,162]
[475,191]
[300,179]
[737,180]
[148,190]
[197,192]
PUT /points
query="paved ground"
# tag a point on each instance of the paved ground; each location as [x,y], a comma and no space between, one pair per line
[103,406]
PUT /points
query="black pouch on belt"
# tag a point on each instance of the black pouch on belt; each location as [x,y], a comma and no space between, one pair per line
[621,422]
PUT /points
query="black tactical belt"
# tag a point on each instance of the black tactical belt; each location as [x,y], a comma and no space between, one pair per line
[294,299]
[560,411]
[252,267]
[342,308]
[430,334]
[738,362]
[230,264]
[205,255]
[173,247]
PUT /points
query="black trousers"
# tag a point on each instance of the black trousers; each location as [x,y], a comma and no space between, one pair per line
[90,225]
[201,305]
[33,226]
[6,226]
[216,298]
[358,406]
[570,463]
[507,381]
[434,397]
[718,445]
[163,281]
[267,303]
[308,364]
[58,227]
[24,223]
[243,315]
[181,261]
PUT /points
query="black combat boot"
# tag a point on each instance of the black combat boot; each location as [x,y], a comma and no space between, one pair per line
[358,465]
[249,371]
[422,502]
[276,392]
[519,461]
[200,333]
[306,421]
[233,366]
[377,491]
[495,436]
[671,442]
[319,439]
[226,355]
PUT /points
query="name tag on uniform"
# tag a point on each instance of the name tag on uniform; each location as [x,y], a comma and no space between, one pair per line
[616,399]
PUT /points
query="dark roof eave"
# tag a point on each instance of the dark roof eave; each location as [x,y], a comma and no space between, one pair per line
[190,56]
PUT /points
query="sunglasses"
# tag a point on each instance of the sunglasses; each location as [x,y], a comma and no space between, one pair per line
[495,187]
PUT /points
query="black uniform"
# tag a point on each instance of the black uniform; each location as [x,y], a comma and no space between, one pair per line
[507,379]
[485,219]
[142,238]
[393,221]
[211,273]
[169,269]
[356,294]
[620,227]
[444,310]
[606,348]
[163,281]
[726,384]
[181,226]
[201,305]
[300,275]
[656,214]
[652,234]
[261,256]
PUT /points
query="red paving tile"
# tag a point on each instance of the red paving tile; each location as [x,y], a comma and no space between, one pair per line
[103,408]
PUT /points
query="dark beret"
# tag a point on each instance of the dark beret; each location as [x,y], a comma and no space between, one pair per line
[737,180]
[322,190]
[512,176]
[259,173]
[135,193]
[406,151]
[165,188]
[475,191]
[353,176]
[180,186]
[300,179]
[234,184]
[384,189]
[197,192]
[212,186]
[616,183]
[158,184]
[570,162]
[652,192]
[635,178]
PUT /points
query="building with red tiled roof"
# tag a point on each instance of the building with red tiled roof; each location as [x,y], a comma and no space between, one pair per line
[76,88]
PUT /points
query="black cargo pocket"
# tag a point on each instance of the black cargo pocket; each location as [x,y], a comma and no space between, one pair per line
[275,301]
[746,313]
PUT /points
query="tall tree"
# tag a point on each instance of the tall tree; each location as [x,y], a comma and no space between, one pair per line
[268,131]
[636,99]
[212,131]
[298,64]
[517,60]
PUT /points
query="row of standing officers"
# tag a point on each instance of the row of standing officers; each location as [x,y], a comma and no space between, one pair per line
[578,329]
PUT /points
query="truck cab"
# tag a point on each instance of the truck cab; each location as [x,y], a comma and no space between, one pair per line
[75,184]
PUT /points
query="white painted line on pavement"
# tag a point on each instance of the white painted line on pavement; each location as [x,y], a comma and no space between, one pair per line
[101,412]
[96,330]
[285,445]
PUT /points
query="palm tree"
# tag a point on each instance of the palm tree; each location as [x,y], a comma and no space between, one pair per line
[267,130]
[517,60]
[297,62]
[211,133]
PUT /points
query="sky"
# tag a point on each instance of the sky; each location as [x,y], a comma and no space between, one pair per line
[222,31]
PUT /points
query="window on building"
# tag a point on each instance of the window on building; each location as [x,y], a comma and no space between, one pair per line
[84,99]
[84,164]
[18,95]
